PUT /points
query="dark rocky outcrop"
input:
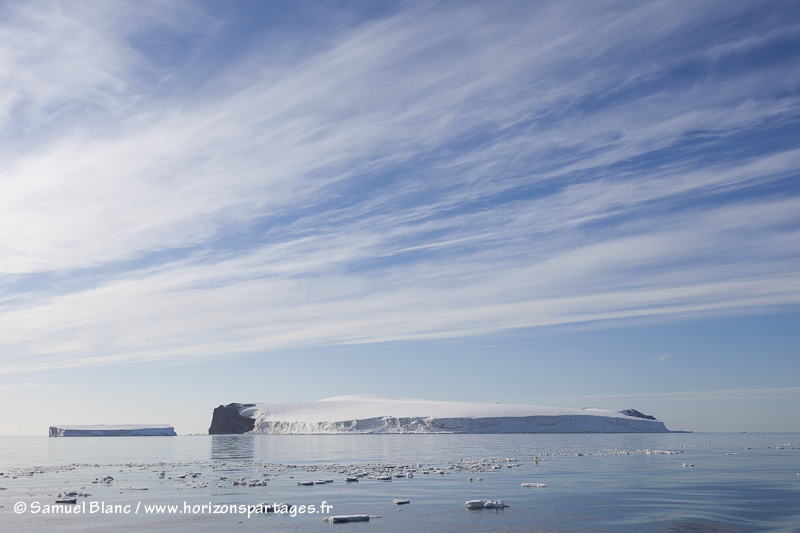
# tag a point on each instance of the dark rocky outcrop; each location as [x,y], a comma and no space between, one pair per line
[228,421]
[637,414]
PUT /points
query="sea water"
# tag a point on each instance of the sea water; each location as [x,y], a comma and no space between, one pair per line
[593,482]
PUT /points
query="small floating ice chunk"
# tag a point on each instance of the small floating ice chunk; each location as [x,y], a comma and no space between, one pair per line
[346,518]
[67,500]
[537,485]
[275,507]
[485,504]
[400,502]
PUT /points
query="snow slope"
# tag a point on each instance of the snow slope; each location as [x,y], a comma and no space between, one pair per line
[101,430]
[383,414]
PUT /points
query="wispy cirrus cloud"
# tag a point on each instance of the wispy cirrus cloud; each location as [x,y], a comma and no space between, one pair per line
[439,171]
[64,65]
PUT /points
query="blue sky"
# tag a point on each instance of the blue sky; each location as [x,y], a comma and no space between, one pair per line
[570,204]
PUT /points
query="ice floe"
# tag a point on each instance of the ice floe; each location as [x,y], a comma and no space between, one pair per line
[486,504]
[347,518]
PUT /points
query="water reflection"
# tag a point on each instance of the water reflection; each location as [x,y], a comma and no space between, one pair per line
[232,448]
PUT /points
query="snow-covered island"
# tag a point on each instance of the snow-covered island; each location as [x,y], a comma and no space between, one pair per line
[127,430]
[383,414]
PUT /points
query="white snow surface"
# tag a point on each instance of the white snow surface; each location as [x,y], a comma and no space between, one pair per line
[385,414]
[118,430]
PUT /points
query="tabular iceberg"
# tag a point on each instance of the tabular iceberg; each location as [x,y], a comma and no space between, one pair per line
[101,430]
[383,414]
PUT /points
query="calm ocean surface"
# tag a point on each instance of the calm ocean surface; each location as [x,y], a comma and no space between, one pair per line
[739,482]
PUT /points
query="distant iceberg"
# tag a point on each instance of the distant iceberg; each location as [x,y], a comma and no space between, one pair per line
[383,414]
[128,430]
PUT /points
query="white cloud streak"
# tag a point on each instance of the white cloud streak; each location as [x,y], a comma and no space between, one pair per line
[729,394]
[19,385]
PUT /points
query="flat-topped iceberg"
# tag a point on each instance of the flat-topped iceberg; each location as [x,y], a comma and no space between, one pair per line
[383,414]
[126,430]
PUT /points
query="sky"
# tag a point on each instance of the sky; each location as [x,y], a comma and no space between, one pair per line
[551,203]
